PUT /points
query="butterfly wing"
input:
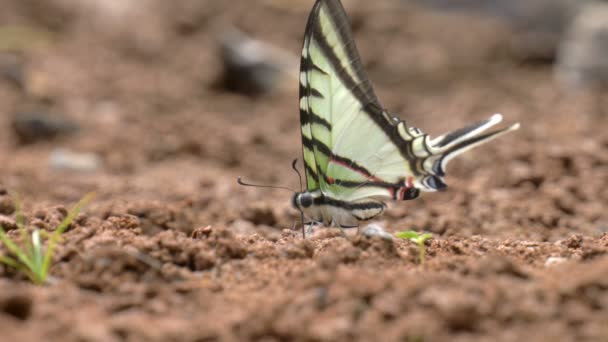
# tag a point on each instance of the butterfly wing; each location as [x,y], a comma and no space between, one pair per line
[321,92]
[353,149]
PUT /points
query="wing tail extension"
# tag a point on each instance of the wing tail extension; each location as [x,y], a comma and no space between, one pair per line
[444,148]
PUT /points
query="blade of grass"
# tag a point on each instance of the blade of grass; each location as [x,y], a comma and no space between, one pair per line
[20,220]
[421,252]
[21,255]
[36,254]
[73,212]
[60,229]
[9,261]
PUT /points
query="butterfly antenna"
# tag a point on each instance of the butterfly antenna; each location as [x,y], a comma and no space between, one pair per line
[263,186]
[293,166]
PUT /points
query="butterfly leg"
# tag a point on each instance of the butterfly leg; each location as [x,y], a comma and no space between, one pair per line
[302,221]
[343,232]
[333,223]
[306,227]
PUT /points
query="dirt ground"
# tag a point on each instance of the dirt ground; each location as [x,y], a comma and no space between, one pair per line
[172,249]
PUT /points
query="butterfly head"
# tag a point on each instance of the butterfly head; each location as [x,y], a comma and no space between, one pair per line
[302,200]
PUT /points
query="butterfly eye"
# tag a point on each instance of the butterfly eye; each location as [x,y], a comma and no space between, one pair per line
[305,200]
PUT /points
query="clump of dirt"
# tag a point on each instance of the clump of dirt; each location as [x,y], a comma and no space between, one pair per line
[173,249]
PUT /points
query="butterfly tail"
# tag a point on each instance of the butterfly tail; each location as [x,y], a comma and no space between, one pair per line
[445,141]
[444,148]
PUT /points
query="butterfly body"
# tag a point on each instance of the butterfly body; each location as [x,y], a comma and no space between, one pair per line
[356,154]
[331,211]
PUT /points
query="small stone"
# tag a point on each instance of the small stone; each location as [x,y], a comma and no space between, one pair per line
[62,159]
[7,207]
[552,261]
[248,66]
[7,223]
[582,59]
[376,230]
[30,127]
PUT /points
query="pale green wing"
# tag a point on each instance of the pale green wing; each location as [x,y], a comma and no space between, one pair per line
[328,52]
[353,149]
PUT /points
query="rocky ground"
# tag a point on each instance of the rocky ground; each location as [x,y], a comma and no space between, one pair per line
[128,100]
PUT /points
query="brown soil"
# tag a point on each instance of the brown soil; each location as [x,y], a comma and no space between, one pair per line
[172,249]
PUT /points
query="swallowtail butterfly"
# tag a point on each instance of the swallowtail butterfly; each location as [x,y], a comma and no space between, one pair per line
[356,154]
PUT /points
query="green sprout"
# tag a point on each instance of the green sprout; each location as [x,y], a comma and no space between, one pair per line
[417,238]
[30,257]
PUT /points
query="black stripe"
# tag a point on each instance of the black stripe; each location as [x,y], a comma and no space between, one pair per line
[307,65]
[362,92]
[359,218]
[310,172]
[324,200]
[314,144]
[448,138]
[463,144]
[409,194]
[405,147]
[352,164]
[436,167]
[343,28]
[371,109]
[304,117]
[321,147]
[311,117]
[426,147]
[356,184]
[319,120]
[307,142]
[302,90]
[314,92]
[343,75]
[434,182]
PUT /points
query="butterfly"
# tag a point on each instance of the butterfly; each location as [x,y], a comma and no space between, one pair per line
[356,154]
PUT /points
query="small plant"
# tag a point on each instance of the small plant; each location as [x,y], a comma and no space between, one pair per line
[417,238]
[30,257]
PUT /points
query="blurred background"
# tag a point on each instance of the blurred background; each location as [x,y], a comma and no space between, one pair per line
[158,106]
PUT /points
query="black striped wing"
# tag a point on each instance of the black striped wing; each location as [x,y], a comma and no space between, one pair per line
[352,148]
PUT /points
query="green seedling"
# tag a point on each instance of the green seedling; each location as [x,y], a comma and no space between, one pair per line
[29,256]
[417,238]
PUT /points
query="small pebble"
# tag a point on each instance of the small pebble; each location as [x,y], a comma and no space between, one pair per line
[30,127]
[376,230]
[7,206]
[249,68]
[583,54]
[552,261]
[62,159]
[7,223]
